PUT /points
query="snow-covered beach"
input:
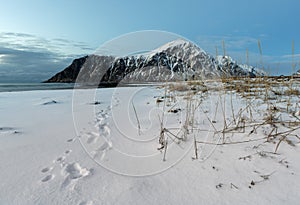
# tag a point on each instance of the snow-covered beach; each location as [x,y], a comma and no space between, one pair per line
[134,145]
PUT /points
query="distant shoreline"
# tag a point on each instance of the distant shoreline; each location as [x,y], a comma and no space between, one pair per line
[19,87]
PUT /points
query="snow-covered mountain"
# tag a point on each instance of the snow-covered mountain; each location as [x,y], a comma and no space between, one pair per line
[174,61]
[230,67]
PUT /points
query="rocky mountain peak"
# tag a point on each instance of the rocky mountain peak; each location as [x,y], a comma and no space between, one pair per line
[174,61]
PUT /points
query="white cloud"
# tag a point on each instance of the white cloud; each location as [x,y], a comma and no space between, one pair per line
[231,42]
[290,57]
[2,58]
[31,58]
[28,42]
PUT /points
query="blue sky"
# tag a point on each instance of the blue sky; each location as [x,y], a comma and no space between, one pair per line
[40,37]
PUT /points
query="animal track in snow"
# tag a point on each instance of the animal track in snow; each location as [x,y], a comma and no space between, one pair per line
[92,137]
[72,173]
[103,128]
[68,151]
[47,178]
[60,159]
[71,140]
[101,151]
[115,101]
[46,169]
[75,171]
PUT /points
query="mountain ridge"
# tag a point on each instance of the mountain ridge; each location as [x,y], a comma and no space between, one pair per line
[174,61]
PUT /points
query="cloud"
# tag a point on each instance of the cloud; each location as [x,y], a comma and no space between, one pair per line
[295,57]
[29,65]
[231,42]
[29,58]
[21,41]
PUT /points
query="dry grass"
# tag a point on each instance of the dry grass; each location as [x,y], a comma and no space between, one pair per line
[292,92]
[239,119]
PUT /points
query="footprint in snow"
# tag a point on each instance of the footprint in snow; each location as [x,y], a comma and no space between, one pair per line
[71,140]
[63,165]
[115,102]
[46,169]
[68,151]
[101,118]
[101,151]
[104,129]
[92,137]
[73,172]
[60,159]
[47,178]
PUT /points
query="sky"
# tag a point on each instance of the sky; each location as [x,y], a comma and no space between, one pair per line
[40,37]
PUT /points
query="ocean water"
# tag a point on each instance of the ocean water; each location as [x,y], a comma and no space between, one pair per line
[13,87]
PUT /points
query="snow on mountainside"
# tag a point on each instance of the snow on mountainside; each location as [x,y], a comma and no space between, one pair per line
[174,61]
[231,68]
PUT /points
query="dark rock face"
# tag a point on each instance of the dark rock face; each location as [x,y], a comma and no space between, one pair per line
[176,61]
[155,68]
[69,74]
[230,68]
